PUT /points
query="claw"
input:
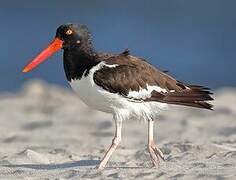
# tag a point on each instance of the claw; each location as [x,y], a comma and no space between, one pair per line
[155,154]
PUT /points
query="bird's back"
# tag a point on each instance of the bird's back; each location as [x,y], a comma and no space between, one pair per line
[133,74]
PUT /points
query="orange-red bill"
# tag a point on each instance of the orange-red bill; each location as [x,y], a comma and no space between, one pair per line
[55,45]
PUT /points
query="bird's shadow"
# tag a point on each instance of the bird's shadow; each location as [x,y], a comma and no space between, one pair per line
[81,163]
[65,165]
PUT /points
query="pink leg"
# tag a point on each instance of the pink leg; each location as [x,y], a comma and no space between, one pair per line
[154,151]
[115,142]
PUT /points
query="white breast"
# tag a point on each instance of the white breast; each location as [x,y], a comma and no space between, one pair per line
[89,92]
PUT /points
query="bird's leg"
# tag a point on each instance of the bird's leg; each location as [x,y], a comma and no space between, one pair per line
[116,140]
[154,151]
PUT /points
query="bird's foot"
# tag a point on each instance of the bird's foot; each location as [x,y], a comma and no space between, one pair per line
[155,154]
[101,166]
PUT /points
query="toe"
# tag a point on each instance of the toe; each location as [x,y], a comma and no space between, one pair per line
[100,167]
[156,155]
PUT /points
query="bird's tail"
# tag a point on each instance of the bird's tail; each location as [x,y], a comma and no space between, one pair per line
[194,96]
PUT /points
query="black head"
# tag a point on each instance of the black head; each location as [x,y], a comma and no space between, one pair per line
[71,38]
[74,35]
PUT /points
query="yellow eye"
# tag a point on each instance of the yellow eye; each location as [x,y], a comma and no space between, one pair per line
[69,32]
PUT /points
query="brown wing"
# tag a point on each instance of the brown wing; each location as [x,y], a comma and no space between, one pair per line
[132,73]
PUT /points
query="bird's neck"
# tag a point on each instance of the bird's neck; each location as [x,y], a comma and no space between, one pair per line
[78,61]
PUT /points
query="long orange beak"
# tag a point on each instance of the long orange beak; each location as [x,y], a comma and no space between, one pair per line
[55,45]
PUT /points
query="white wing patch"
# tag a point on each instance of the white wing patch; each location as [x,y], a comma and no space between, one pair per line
[145,93]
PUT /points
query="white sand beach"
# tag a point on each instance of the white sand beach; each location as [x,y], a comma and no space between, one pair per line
[46,132]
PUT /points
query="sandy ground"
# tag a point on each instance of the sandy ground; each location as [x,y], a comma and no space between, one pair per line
[46,132]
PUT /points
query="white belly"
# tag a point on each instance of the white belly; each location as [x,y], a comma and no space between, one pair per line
[100,99]
[91,94]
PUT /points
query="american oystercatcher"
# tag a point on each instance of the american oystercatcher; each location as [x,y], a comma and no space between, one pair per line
[126,86]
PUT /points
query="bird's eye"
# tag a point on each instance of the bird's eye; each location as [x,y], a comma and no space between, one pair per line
[69,32]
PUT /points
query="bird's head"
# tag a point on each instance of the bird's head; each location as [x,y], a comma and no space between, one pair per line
[67,36]
[73,35]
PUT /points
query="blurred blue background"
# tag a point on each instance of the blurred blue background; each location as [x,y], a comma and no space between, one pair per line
[194,40]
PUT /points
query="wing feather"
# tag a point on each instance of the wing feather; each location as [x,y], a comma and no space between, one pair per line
[135,74]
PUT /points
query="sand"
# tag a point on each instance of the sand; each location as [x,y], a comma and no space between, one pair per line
[46,132]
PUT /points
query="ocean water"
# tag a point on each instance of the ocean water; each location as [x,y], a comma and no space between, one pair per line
[194,40]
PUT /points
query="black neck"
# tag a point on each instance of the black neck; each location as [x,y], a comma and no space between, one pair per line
[78,62]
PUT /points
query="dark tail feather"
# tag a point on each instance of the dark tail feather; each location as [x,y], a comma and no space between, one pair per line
[206,105]
[198,87]
[196,96]
[201,104]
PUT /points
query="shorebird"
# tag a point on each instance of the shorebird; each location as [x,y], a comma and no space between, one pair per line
[126,86]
